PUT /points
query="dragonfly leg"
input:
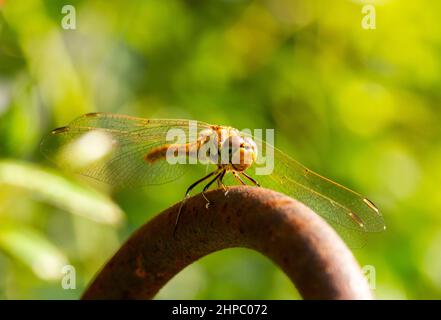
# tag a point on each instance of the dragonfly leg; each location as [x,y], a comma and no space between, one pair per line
[208,186]
[249,178]
[187,194]
[221,183]
[237,176]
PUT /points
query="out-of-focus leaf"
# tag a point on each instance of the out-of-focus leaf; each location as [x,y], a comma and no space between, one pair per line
[34,250]
[48,186]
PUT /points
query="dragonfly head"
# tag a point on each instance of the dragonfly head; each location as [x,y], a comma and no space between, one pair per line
[242,152]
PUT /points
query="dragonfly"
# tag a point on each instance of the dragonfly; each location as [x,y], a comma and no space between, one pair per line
[125,151]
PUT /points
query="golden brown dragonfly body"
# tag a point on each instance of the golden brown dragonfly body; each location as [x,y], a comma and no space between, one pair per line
[126,151]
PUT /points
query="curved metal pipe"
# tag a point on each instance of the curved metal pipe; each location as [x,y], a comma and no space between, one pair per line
[299,241]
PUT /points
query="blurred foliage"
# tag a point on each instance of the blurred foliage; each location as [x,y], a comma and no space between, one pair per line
[359,106]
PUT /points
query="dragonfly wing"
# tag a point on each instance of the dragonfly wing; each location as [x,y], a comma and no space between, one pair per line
[339,205]
[128,139]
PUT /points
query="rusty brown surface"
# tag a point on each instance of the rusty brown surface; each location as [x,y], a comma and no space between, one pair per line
[300,242]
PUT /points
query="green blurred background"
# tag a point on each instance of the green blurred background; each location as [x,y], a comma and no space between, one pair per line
[359,106]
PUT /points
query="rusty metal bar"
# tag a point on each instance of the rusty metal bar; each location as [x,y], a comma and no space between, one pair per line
[300,242]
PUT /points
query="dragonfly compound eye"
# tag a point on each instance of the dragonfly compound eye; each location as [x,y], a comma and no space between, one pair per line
[241,153]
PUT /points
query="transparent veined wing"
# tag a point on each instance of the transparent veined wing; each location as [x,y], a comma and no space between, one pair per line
[351,214]
[122,143]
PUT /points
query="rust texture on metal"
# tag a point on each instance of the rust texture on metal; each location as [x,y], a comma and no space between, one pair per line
[296,239]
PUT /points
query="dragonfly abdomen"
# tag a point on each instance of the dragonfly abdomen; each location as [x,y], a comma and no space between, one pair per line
[160,153]
[174,150]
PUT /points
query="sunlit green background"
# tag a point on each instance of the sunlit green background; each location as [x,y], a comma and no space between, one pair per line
[359,106]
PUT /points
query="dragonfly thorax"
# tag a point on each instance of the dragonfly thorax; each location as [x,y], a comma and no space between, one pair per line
[227,148]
